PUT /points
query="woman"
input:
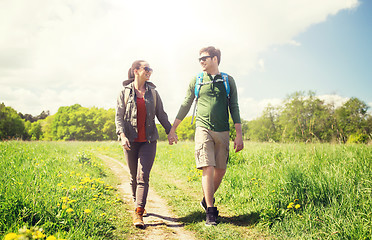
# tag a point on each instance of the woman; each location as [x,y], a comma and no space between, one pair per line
[137,106]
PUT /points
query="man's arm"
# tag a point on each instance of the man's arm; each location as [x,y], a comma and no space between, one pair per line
[238,142]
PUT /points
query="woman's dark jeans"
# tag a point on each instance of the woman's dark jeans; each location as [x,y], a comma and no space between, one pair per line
[140,159]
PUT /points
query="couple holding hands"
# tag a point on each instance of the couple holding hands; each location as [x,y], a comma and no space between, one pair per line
[139,103]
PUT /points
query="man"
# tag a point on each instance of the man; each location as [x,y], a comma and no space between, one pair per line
[212,125]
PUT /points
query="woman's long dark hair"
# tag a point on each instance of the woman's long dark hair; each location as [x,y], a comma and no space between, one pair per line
[135,65]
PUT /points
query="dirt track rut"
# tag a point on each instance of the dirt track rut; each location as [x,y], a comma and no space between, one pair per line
[160,222]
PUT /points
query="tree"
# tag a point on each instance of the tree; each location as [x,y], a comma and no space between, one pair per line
[33,130]
[109,128]
[79,123]
[351,118]
[46,128]
[305,118]
[11,124]
[266,127]
[162,134]
[186,130]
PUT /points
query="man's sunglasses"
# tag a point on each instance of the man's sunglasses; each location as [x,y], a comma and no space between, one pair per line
[147,69]
[204,58]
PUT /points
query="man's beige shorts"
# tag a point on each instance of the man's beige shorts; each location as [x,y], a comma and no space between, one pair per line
[211,148]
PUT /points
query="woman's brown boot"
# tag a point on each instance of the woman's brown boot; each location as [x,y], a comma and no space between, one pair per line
[138,217]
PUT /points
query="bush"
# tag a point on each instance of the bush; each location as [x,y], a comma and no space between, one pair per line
[358,138]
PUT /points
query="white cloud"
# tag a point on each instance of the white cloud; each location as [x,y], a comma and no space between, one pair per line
[333,99]
[56,53]
[251,108]
[294,43]
[261,64]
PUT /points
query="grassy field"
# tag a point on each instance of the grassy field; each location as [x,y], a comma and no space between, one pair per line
[60,187]
[270,191]
[286,191]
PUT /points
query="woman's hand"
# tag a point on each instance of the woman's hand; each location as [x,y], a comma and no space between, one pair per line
[125,142]
[172,137]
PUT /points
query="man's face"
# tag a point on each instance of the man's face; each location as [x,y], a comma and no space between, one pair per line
[207,62]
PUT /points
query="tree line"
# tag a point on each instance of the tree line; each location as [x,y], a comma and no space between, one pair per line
[305,118]
[300,118]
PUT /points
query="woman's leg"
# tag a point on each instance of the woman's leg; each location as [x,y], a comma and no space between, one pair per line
[131,157]
[146,156]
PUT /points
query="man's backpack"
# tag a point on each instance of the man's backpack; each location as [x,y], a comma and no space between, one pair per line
[199,83]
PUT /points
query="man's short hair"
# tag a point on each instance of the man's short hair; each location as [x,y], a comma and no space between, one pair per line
[212,51]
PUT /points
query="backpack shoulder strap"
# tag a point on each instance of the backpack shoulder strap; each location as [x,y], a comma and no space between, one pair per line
[126,95]
[225,78]
[199,80]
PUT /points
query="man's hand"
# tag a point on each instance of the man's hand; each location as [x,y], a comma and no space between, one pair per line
[238,143]
[172,137]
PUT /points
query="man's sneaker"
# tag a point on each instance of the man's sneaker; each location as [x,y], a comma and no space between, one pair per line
[203,204]
[211,219]
[138,217]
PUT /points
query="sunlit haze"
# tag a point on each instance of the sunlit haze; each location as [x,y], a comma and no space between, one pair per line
[57,53]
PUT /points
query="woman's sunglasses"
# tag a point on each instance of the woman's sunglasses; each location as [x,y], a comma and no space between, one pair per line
[147,69]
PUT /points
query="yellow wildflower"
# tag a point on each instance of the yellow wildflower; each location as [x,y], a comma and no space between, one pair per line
[87,211]
[51,238]
[65,199]
[69,210]
[11,236]
[297,206]
[38,235]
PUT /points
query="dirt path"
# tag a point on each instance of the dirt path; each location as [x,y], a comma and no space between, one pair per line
[160,222]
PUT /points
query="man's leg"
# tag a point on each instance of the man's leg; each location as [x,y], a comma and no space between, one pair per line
[208,184]
[218,176]
[209,189]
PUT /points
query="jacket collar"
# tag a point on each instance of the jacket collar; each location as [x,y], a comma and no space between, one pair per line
[129,84]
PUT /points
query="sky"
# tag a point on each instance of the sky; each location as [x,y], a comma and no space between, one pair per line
[58,53]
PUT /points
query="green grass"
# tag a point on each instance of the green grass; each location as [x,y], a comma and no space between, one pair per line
[60,187]
[270,191]
[329,184]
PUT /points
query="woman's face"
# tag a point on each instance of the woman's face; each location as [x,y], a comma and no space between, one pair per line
[144,72]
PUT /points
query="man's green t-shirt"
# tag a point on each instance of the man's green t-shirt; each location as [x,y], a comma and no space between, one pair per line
[213,104]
